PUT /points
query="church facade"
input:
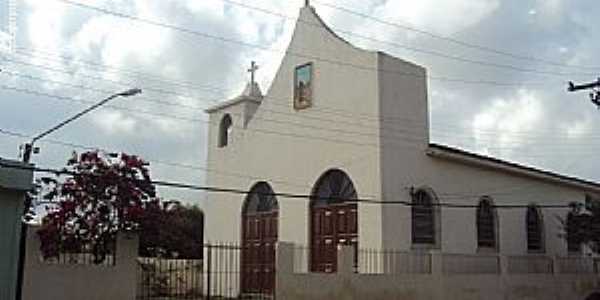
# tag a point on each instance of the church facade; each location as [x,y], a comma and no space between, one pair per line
[341,123]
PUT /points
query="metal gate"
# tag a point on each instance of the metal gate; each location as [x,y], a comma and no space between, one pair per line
[218,275]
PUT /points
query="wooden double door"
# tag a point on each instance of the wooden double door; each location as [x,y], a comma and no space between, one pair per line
[331,225]
[259,238]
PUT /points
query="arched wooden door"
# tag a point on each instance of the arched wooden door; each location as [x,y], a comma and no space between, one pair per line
[259,235]
[333,220]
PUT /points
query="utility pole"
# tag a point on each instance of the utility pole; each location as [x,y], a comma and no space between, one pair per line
[594,86]
[29,149]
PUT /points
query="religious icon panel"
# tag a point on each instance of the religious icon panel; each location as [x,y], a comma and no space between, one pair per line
[303,86]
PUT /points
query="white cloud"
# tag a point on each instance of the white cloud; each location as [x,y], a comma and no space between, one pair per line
[500,126]
[445,17]
[215,8]
[114,122]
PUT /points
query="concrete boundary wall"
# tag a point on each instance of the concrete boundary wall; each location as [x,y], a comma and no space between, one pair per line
[77,282]
[438,285]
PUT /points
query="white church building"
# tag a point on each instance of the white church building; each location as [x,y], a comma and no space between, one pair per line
[350,129]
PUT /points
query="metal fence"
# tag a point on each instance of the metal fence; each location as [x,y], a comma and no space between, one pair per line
[375,261]
[530,264]
[172,278]
[84,254]
[228,271]
[575,265]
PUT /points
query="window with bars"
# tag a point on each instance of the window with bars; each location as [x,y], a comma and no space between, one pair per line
[486,224]
[535,226]
[423,218]
[573,240]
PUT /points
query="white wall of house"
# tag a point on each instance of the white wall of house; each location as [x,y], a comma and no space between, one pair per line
[14,184]
[66,281]
[286,148]
[370,119]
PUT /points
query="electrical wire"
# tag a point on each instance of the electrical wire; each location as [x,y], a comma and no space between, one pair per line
[214,189]
[410,48]
[289,51]
[488,49]
[496,192]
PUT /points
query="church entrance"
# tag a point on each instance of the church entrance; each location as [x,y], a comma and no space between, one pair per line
[333,220]
[259,236]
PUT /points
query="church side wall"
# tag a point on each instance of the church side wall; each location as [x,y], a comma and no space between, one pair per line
[404,137]
[404,164]
[290,149]
[459,231]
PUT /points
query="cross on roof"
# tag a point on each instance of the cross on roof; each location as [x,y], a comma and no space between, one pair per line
[252,71]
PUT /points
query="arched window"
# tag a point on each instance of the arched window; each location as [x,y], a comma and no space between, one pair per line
[535,229]
[333,187]
[225,128]
[261,198]
[486,224]
[423,218]
[573,240]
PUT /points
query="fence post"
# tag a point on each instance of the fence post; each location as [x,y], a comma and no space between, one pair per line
[345,259]
[503,267]
[284,269]
[208,269]
[555,265]
[436,262]
[284,259]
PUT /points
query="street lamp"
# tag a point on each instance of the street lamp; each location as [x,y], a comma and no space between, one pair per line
[29,147]
[27,151]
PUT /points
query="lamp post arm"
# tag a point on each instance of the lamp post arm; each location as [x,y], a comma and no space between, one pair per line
[71,119]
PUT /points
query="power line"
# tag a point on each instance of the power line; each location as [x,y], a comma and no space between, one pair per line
[453,40]
[214,89]
[405,135]
[149,88]
[214,189]
[332,111]
[401,133]
[297,54]
[133,110]
[328,119]
[57,57]
[410,141]
[494,193]
[160,162]
[410,48]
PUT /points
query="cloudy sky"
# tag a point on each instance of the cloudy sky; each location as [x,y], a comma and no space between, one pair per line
[67,56]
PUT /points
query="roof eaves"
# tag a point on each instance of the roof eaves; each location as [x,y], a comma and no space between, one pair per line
[450,153]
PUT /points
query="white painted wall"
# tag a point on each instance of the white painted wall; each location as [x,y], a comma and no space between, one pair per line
[288,149]
[370,119]
[404,123]
[44,280]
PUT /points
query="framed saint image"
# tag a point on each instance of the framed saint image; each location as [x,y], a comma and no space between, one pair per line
[303,86]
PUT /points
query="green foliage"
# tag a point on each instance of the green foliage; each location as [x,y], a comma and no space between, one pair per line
[174,231]
[582,226]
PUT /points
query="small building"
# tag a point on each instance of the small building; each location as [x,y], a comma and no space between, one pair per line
[15,182]
[340,123]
